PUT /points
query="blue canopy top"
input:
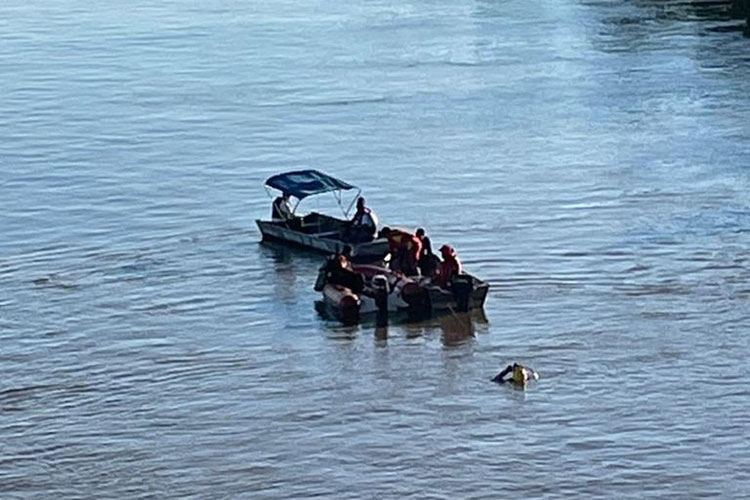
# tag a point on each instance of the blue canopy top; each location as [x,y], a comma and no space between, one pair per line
[304,183]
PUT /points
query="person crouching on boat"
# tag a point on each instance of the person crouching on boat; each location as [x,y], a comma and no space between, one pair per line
[363,226]
[449,268]
[405,249]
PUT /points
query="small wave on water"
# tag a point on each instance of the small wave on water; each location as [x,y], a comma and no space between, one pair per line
[325,103]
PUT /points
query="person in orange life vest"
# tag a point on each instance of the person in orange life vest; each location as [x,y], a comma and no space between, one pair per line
[404,248]
[363,225]
[450,267]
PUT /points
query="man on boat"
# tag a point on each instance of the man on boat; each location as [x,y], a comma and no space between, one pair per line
[281,209]
[364,224]
[449,268]
[405,249]
[428,261]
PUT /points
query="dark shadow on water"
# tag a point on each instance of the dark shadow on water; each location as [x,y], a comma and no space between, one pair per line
[344,332]
[280,252]
[640,26]
[455,328]
[293,270]
[381,336]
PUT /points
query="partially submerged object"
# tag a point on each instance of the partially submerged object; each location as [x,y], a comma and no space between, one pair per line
[317,231]
[519,375]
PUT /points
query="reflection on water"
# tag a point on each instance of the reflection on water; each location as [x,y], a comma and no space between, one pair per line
[456,328]
[381,335]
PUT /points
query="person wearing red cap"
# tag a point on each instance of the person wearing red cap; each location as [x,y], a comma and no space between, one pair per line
[450,266]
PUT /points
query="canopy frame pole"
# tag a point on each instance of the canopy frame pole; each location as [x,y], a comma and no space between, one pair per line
[346,213]
[338,195]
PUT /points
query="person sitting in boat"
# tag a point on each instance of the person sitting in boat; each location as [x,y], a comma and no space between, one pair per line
[345,258]
[404,249]
[428,261]
[281,209]
[449,268]
[519,375]
[363,226]
[339,271]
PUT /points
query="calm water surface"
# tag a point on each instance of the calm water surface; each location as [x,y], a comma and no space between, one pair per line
[588,158]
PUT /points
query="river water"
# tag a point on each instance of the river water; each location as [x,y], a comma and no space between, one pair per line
[588,158]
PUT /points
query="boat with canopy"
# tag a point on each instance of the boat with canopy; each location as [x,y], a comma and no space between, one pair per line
[317,231]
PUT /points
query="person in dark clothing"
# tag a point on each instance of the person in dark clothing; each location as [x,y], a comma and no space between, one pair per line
[339,271]
[363,226]
[281,208]
[428,261]
[281,211]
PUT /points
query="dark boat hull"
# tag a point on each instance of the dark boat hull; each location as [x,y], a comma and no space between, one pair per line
[320,233]
[442,299]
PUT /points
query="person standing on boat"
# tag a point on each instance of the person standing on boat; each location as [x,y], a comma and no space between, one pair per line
[281,209]
[427,260]
[364,224]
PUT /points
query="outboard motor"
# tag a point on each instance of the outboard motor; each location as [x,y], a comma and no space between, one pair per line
[380,284]
[463,287]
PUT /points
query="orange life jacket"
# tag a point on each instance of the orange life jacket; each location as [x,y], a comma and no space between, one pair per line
[450,266]
[399,240]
